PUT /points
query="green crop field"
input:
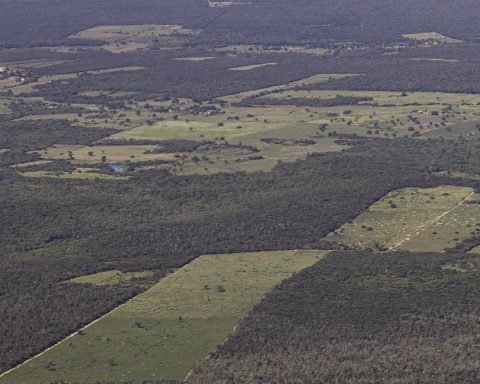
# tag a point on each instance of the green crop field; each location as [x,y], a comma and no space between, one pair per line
[164,332]
[398,218]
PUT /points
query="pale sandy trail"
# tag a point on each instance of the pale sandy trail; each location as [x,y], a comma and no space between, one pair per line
[430,223]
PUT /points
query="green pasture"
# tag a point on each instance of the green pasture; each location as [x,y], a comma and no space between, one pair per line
[164,332]
[110,277]
[395,221]
[461,223]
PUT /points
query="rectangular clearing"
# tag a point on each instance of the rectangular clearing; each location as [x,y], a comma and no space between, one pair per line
[164,332]
[395,220]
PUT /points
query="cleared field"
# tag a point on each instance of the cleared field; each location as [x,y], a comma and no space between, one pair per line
[290,126]
[127,38]
[117,32]
[195,58]
[118,69]
[250,67]
[164,332]
[58,151]
[118,153]
[476,250]
[398,218]
[79,173]
[33,64]
[261,49]
[388,98]
[4,107]
[391,114]
[436,59]
[109,277]
[431,36]
[236,161]
[29,87]
[459,224]
[319,78]
[38,162]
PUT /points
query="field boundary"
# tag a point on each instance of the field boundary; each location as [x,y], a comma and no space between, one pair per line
[68,337]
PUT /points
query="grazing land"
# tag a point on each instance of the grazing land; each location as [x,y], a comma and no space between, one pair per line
[410,219]
[164,332]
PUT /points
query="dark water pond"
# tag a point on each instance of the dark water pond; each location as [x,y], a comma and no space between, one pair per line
[117,168]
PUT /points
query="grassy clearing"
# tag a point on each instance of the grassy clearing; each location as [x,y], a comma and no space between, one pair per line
[195,58]
[236,123]
[261,49]
[461,223]
[29,87]
[4,107]
[436,59]
[250,67]
[112,33]
[117,153]
[388,98]
[394,114]
[250,126]
[397,219]
[118,69]
[238,161]
[38,162]
[124,47]
[127,38]
[79,173]
[33,64]
[431,36]
[58,151]
[59,116]
[222,4]
[110,277]
[164,332]
[319,78]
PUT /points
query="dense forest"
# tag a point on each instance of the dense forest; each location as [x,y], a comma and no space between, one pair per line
[360,318]
[44,22]
[439,69]
[73,227]
[43,134]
